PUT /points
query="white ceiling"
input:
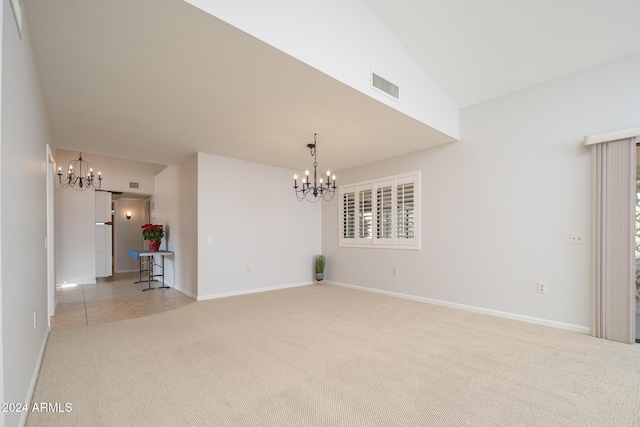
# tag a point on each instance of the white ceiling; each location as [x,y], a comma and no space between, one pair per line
[478,50]
[158,80]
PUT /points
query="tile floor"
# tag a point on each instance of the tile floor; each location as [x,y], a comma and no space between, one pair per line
[110,300]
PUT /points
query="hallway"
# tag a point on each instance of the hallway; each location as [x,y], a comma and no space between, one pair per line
[116,298]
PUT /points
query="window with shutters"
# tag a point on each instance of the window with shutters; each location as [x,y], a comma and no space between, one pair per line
[384,219]
[405,211]
[382,213]
[349,215]
[365,214]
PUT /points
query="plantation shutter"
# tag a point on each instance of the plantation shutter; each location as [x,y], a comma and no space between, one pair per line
[405,211]
[349,215]
[365,213]
[384,212]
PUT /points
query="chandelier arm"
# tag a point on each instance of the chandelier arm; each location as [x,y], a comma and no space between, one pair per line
[312,200]
[319,190]
[80,176]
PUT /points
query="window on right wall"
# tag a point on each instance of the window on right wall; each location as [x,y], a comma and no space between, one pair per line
[381,213]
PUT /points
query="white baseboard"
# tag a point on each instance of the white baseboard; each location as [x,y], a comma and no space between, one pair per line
[252,291]
[186,292]
[34,378]
[480,310]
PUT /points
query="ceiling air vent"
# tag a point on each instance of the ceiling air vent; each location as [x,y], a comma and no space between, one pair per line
[385,85]
[134,185]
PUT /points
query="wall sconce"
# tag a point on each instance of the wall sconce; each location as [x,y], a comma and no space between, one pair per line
[128,215]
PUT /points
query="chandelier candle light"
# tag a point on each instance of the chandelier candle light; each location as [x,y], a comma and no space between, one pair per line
[318,189]
[80,176]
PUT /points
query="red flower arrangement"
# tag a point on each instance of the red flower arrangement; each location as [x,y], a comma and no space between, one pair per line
[153,232]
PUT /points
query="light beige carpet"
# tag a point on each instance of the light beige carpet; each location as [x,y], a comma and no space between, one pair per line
[329,356]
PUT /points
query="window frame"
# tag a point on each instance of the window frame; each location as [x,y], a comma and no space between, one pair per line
[379,224]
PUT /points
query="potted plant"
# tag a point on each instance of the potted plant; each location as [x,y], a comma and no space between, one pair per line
[154,234]
[320,262]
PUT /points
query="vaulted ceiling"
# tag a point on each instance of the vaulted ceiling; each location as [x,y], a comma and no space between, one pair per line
[158,80]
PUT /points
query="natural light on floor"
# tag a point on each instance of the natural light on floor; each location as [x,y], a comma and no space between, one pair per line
[68,285]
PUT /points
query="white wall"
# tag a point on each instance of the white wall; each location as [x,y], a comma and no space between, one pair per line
[75,212]
[254,220]
[175,207]
[498,205]
[329,35]
[127,233]
[23,269]
[2,417]
[75,236]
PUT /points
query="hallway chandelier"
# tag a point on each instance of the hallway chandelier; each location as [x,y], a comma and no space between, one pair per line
[318,189]
[79,176]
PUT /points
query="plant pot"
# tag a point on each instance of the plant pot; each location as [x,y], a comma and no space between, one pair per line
[154,246]
[319,277]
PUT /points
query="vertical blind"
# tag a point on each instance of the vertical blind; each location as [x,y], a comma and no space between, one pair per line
[613,191]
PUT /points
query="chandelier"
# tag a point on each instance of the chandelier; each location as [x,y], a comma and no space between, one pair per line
[318,189]
[79,176]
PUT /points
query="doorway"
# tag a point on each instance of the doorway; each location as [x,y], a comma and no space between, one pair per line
[130,213]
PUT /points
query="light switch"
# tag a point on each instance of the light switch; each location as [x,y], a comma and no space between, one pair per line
[209,239]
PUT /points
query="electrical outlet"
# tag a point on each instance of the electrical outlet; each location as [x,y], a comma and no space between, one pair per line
[576,238]
[248,270]
[542,288]
[394,271]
